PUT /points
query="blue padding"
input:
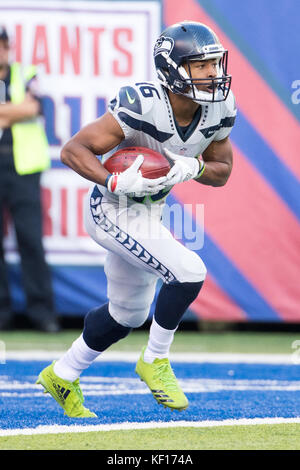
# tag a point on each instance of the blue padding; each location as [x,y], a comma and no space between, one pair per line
[57,164]
[231,280]
[77,289]
[274,170]
[268,39]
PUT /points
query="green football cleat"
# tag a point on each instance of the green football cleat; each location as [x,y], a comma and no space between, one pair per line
[162,382]
[67,394]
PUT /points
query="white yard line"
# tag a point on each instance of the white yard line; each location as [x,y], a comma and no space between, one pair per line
[59,429]
[36,355]
[101,386]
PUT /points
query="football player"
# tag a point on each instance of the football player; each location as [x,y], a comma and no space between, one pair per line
[187,115]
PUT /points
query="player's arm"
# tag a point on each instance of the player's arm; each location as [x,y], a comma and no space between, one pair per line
[213,170]
[97,138]
[11,113]
[218,163]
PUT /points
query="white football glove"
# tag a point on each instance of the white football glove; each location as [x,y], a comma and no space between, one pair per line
[184,168]
[132,183]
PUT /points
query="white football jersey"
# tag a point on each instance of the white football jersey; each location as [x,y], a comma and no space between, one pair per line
[144,112]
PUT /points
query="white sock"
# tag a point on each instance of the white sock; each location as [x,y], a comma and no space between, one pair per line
[160,340]
[78,358]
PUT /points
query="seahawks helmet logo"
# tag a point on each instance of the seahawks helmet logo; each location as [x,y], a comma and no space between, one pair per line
[163,44]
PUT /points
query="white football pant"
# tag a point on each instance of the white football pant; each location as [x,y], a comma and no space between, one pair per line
[140,251]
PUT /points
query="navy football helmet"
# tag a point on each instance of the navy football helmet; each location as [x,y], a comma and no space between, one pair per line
[182,43]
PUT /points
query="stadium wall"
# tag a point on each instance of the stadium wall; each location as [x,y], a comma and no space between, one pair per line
[250,227]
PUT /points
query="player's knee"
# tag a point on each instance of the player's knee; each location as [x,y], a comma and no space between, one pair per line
[133,309]
[129,317]
[130,295]
[192,268]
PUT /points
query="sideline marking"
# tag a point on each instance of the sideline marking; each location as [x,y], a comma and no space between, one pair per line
[61,429]
[101,386]
[122,356]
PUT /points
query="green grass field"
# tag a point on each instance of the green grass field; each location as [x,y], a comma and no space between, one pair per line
[184,341]
[252,437]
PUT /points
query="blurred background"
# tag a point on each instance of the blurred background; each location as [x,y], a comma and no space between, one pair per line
[86,50]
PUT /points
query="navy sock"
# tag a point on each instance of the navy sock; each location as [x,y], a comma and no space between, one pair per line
[173,300]
[101,330]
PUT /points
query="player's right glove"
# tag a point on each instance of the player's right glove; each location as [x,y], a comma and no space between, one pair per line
[132,183]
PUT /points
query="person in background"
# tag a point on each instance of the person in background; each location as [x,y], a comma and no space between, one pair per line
[23,157]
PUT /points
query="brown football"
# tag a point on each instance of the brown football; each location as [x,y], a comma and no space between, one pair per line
[154,165]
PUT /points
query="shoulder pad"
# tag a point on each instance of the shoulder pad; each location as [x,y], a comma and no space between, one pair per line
[230,103]
[138,99]
[130,99]
[150,94]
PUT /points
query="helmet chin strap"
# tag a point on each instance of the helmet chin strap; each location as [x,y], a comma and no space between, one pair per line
[204,96]
[198,95]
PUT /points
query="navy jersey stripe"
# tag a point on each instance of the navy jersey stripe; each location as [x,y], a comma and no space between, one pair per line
[124,239]
[225,122]
[145,127]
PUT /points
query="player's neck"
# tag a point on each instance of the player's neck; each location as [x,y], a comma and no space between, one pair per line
[183,108]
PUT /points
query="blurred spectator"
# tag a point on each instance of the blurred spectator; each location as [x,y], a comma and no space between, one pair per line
[23,156]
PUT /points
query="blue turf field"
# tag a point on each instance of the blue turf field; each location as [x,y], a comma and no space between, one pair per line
[114,392]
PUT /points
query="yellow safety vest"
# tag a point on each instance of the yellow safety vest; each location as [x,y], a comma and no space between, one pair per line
[30,145]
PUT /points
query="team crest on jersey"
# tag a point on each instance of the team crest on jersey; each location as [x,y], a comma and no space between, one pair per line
[163,44]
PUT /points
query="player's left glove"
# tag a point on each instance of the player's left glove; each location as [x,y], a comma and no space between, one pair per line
[184,168]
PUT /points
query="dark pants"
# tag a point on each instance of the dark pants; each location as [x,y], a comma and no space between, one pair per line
[21,196]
